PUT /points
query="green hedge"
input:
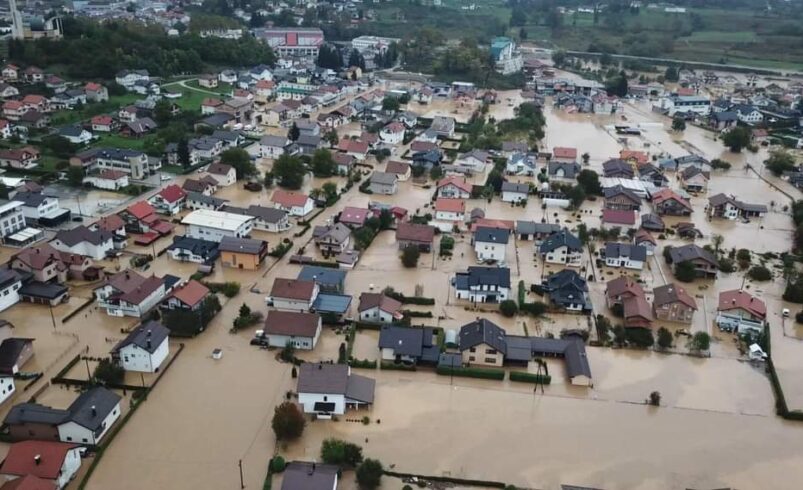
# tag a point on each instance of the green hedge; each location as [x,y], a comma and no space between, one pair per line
[392,366]
[417,314]
[362,364]
[410,300]
[472,372]
[544,379]
[368,326]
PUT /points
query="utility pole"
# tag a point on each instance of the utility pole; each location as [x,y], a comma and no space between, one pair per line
[242,483]
[52,317]
[88,372]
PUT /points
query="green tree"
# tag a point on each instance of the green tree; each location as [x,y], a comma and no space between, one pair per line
[183,152]
[664,338]
[59,145]
[293,133]
[108,373]
[700,341]
[508,308]
[759,273]
[780,162]
[617,85]
[341,453]
[75,176]
[331,137]
[369,474]
[390,104]
[589,181]
[671,74]
[736,139]
[410,256]
[329,190]
[240,160]
[684,271]
[289,171]
[322,163]
[356,59]
[288,422]
[678,124]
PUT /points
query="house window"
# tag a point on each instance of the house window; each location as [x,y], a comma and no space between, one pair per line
[68,438]
[473,349]
[490,351]
[490,360]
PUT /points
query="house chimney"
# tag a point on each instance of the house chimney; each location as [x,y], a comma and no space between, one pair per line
[149,343]
[37,459]
[149,332]
[94,411]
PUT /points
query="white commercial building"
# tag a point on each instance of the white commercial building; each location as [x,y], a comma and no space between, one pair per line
[206,224]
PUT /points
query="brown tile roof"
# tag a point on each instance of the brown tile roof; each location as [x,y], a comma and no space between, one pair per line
[110,223]
[292,289]
[385,303]
[729,300]
[21,461]
[289,198]
[621,285]
[672,293]
[415,233]
[191,293]
[292,323]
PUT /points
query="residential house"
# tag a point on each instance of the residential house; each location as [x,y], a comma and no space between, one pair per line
[383,183]
[290,328]
[273,146]
[332,239]
[452,187]
[188,249]
[483,343]
[427,159]
[199,200]
[12,219]
[41,209]
[694,179]
[138,128]
[302,475]
[564,154]
[96,92]
[329,280]
[562,171]
[618,290]
[562,248]
[331,389]
[210,105]
[55,463]
[293,294]
[144,349]
[530,230]
[344,162]
[408,345]
[618,168]
[103,124]
[668,202]
[75,135]
[520,164]
[619,218]
[273,220]
[637,313]
[353,217]
[566,289]
[450,210]
[48,264]
[170,200]
[474,161]
[443,126]
[411,234]
[741,312]
[652,222]
[621,198]
[211,225]
[356,148]
[392,134]
[242,253]
[625,255]
[133,162]
[207,185]
[483,284]
[225,175]
[650,173]
[748,114]
[295,203]
[18,159]
[379,308]
[728,207]
[10,284]
[515,192]
[644,239]
[672,303]
[490,244]
[705,264]
[130,294]
[96,244]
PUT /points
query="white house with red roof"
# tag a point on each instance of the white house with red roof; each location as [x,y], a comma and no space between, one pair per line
[11,72]
[96,92]
[188,296]
[169,200]
[451,210]
[5,129]
[454,187]
[56,462]
[295,203]
[565,154]
[103,123]
[741,312]
[130,294]
[210,105]
[619,218]
[14,109]
[354,217]
[108,179]
[392,134]
[357,149]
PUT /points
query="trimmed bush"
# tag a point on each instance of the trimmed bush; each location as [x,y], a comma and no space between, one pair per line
[544,379]
[472,373]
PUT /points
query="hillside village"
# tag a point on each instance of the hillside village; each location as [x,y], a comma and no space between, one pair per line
[369,256]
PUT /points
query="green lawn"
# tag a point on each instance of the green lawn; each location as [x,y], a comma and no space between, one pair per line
[115,102]
[118,141]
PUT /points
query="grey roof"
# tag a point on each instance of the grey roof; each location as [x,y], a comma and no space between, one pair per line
[635,252]
[491,235]
[383,178]
[691,252]
[230,136]
[29,199]
[301,475]
[573,351]
[204,199]
[335,379]
[241,245]
[38,289]
[409,341]
[10,351]
[275,141]
[360,388]
[616,166]
[482,331]
[196,246]
[515,187]
[306,139]
[570,169]
[91,407]
[71,131]
[567,287]
[332,303]
[518,348]
[338,233]
[269,215]
[652,221]
[322,275]
[478,276]
[559,239]
[81,234]
[514,146]
[616,190]
[33,413]
[450,360]
[148,336]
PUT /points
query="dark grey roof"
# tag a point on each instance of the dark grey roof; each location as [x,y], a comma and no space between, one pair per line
[38,289]
[570,169]
[322,275]
[559,239]
[491,235]
[360,388]
[334,379]
[518,348]
[691,252]
[204,248]
[301,475]
[204,199]
[567,287]
[384,178]
[482,331]
[616,166]
[450,360]
[33,413]
[515,187]
[8,277]
[635,252]
[616,190]
[241,245]
[148,336]
[29,199]
[306,139]
[652,221]
[406,341]
[10,351]
[71,131]
[478,276]
[572,350]
[81,234]
[531,227]
[92,407]
[274,141]
[269,215]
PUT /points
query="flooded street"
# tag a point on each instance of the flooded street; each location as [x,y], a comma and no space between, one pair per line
[716,427]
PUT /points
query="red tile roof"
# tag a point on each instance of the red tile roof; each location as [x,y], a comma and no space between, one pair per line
[102,120]
[458,182]
[29,482]
[93,87]
[111,223]
[563,152]
[502,224]
[20,459]
[619,216]
[667,194]
[450,205]
[353,215]
[292,289]
[729,300]
[292,323]
[415,233]
[141,209]
[172,193]
[289,198]
[621,285]
[111,174]
[191,293]
[640,157]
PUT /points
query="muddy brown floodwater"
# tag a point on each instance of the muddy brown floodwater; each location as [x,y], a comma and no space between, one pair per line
[716,426]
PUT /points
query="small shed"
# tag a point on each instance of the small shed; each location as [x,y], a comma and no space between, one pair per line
[451,360]
[450,337]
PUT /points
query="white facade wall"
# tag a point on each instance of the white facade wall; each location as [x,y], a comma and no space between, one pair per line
[508,196]
[451,191]
[226,180]
[308,400]
[481,294]
[213,234]
[183,255]
[72,432]
[391,138]
[490,251]
[97,252]
[72,461]
[303,343]
[291,304]
[10,295]
[625,262]
[376,315]
[135,358]
[450,216]
[6,388]
[562,255]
